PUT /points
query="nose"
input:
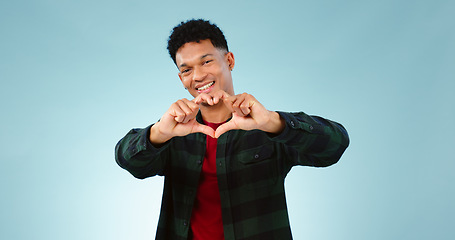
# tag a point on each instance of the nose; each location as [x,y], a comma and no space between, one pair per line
[199,74]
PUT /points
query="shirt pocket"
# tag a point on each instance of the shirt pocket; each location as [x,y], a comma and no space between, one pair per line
[257,155]
[257,167]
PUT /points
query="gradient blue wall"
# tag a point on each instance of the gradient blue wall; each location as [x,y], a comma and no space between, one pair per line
[77,75]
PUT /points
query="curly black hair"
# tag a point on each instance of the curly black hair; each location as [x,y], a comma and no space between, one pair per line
[195,30]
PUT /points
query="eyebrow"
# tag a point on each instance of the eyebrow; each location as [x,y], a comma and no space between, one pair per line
[206,55]
[203,56]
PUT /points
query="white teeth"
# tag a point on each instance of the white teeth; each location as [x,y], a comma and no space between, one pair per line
[206,86]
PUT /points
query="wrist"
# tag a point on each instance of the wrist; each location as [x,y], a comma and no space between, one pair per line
[156,137]
[275,124]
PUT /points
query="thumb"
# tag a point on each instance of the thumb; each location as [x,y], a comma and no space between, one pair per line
[224,128]
[197,127]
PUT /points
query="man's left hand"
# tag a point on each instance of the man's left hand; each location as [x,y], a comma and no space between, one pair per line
[248,114]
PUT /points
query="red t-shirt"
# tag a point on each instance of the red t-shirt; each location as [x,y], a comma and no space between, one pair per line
[206,221]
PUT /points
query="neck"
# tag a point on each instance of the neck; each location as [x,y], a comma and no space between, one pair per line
[215,114]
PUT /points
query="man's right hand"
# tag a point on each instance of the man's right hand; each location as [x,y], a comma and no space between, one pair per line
[179,120]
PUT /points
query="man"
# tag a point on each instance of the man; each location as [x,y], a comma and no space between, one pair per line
[224,156]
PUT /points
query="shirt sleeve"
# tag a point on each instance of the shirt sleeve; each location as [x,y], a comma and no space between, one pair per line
[311,140]
[136,154]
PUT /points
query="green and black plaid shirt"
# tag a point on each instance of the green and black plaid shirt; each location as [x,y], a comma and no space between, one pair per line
[251,168]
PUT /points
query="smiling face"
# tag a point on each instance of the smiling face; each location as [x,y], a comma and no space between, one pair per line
[204,68]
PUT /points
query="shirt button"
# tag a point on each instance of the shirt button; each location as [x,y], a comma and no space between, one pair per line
[220,164]
[311,127]
[185,223]
[292,123]
[199,162]
[256,156]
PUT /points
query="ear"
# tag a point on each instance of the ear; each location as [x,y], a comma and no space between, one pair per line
[230,60]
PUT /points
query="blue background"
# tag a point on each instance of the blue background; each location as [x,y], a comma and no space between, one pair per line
[77,75]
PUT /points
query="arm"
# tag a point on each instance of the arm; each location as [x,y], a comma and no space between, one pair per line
[312,140]
[309,140]
[143,152]
[136,154]
[248,114]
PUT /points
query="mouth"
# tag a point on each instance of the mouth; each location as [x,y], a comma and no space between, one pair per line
[205,88]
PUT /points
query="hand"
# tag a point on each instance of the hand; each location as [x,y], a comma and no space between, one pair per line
[179,120]
[248,114]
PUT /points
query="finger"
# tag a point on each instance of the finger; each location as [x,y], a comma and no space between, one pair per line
[182,108]
[246,105]
[203,98]
[216,99]
[189,108]
[194,109]
[178,114]
[197,99]
[203,129]
[194,106]
[219,95]
[228,104]
[237,105]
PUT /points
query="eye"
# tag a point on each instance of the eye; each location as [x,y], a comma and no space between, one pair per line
[185,71]
[207,61]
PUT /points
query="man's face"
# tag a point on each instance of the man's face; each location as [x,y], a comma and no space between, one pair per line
[204,68]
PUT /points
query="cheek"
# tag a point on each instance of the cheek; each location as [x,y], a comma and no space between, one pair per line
[220,72]
[185,82]
[225,75]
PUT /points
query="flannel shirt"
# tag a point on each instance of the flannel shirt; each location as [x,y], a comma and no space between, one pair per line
[251,169]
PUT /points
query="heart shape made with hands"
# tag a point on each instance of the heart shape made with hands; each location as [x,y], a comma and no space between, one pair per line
[247,112]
